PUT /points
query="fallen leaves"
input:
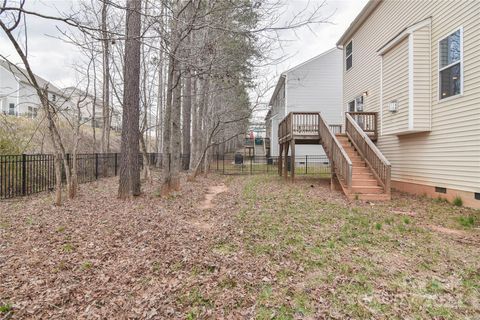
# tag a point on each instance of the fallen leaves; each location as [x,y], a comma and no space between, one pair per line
[250,247]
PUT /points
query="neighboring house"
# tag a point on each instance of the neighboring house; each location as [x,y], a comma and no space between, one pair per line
[416,63]
[90,115]
[18,97]
[313,86]
[91,109]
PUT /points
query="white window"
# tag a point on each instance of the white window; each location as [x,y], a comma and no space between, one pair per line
[356,105]
[348,55]
[450,56]
[32,112]
[11,109]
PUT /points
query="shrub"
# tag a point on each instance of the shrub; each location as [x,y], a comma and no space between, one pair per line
[457,201]
[467,222]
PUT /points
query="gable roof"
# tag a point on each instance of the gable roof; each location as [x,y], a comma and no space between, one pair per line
[310,60]
[22,76]
[359,20]
[279,85]
[283,75]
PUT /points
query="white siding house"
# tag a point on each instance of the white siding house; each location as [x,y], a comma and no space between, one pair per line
[313,86]
[18,97]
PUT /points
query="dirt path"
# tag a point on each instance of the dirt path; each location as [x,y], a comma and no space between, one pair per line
[210,195]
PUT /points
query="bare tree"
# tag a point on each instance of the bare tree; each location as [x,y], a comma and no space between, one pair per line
[129,185]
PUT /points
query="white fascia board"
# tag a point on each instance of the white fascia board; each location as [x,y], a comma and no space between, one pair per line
[403,34]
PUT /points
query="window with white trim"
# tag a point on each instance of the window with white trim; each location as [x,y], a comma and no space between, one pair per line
[356,105]
[450,64]
[11,109]
[348,55]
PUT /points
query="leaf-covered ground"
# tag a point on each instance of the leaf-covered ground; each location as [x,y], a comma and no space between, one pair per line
[261,249]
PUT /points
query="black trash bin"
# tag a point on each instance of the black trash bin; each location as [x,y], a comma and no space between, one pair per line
[269,160]
[238,158]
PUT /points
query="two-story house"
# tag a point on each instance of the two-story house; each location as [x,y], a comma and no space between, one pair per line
[17,95]
[416,64]
[313,86]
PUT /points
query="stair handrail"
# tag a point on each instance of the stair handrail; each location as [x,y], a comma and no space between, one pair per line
[381,167]
[340,161]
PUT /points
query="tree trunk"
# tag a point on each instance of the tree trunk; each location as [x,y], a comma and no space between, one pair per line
[146,163]
[129,184]
[167,122]
[105,143]
[94,108]
[203,121]
[159,120]
[58,179]
[176,133]
[187,119]
[195,128]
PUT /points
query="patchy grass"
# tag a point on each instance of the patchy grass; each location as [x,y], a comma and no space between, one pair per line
[360,259]
[68,248]
[467,222]
[6,308]
[87,265]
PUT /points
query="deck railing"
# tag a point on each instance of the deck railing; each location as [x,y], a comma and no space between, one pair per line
[339,160]
[380,166]
[302,124]
[285,128]
[367,121]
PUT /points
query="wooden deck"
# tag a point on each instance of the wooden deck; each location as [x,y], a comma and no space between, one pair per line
[303,127]
[366,177]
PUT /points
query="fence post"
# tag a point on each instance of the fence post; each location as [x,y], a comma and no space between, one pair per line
[306,164]
[24,174]
[96,166]
[115,165]
[251,159]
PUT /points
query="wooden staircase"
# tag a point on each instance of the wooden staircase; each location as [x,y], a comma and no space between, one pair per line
[357,164]
[364,184]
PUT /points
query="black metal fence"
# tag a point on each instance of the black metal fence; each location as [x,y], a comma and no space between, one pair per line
[310,165]
[22,175]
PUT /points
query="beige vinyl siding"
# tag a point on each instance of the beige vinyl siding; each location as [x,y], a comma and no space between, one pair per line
[422,83]
[448,155]
[395,88]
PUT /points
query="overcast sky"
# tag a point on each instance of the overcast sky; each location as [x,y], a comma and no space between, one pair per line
[52,59]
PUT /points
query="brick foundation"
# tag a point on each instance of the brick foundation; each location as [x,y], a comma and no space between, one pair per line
[468,198]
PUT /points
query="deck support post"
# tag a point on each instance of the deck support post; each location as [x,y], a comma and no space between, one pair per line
[285,172]
[334,183]
[292,161]
[280,158]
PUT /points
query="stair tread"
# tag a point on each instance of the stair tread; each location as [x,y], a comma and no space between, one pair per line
[367,187]
[363,180]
